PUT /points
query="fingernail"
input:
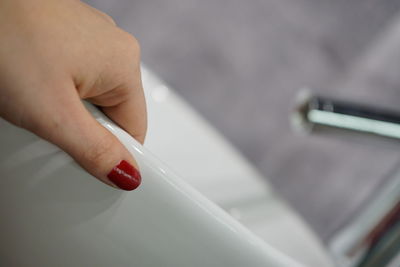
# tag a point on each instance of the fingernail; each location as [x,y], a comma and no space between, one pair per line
[125,176]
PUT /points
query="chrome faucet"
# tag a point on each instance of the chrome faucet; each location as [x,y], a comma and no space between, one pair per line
[372,238]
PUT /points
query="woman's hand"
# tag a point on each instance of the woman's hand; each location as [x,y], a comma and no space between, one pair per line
[53,53]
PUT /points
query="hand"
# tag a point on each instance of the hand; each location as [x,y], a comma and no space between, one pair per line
[53,53]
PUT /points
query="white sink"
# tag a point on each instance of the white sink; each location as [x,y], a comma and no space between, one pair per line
[55,214]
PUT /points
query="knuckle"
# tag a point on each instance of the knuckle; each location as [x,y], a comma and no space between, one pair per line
[109,19]
[128,48]
[133,45]
[105,16]
[134,42]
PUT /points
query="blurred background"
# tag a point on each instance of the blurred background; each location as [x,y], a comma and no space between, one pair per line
[241,64]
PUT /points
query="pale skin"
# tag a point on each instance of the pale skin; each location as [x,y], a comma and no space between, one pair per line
[53,54]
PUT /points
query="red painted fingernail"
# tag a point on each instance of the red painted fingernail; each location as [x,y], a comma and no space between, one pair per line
[125,176]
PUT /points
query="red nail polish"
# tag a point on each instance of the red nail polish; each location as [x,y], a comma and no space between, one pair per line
[125,176]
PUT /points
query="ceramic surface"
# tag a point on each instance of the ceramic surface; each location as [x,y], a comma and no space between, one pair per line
[210,164]
[55,214]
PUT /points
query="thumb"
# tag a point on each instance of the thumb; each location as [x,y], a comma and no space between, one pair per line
[72,128]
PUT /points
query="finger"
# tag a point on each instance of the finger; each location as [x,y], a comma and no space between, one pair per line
[71,127]
[130,114]
[124,103]
[126,106]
